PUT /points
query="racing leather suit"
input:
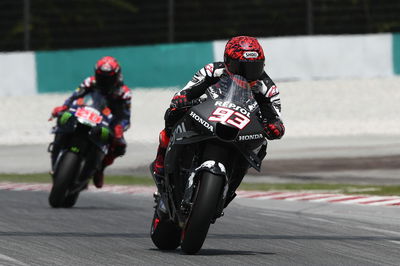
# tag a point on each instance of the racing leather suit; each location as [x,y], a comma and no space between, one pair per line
[265,93]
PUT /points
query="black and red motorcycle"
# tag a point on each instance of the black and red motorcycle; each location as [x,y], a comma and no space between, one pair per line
[83,138]
[210,150]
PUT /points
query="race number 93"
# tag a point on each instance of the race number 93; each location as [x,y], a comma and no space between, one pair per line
[230,117]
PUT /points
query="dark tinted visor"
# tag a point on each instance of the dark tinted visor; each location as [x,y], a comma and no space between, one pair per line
[105,82]
[251,70]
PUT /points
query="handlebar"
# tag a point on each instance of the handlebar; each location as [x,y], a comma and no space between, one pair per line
[189,104]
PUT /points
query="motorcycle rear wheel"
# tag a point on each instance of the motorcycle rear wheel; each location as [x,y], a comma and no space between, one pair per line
[203,211]
[65,173]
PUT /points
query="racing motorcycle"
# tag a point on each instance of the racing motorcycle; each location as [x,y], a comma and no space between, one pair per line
[84,135]
[204,163]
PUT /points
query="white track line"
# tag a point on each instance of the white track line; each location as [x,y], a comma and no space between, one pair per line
[9,259]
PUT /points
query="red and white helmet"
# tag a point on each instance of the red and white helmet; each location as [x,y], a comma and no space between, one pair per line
[244,56]
[107,72]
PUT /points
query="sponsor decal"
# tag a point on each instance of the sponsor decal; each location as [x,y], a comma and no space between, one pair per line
[180,128]
[233,107]
[250,55]
[64,117]
[251,137]
[74,149]
[213,93]
[210,68]
[106,67]
[252,106]
[272,91]
[201,121]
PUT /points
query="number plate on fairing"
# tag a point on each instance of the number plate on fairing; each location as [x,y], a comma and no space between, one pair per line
[89,116]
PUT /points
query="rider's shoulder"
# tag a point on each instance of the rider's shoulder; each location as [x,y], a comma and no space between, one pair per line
[265,85]
[124,92]
[214,69]
[266,79]
[87,85]
[88,82]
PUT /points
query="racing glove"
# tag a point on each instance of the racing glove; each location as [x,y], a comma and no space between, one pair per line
[58,110]
[179,101]
[274,130]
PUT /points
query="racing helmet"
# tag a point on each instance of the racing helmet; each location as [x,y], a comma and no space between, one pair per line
[107,73]
[244,56]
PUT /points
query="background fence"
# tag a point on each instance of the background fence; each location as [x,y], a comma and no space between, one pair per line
[62,24]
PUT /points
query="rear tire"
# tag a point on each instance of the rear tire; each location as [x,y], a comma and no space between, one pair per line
[165,234]
[203,211]
[64,175]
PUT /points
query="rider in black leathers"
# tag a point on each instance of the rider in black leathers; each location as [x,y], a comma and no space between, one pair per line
[243,56]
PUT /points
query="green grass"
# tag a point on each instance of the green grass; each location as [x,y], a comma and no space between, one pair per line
[30,178]
[45,178]
[146,181]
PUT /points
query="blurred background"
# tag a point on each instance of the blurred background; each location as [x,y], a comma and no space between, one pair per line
[336,63]
[61,24]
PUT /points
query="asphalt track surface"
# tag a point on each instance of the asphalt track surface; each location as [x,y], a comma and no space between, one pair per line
[113,229]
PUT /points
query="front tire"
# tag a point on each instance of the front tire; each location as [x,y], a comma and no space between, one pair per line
[70,200]
[64,175]
[164,233]
[203,211]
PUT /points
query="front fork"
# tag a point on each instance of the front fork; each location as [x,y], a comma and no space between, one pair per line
[213,167]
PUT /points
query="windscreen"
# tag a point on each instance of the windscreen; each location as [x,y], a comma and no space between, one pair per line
[92,99]
[235,89]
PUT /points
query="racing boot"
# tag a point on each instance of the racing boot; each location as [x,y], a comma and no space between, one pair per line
[98,177]
[157,167]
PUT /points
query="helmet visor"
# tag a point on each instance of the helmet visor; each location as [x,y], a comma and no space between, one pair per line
[251,70]
[106,83]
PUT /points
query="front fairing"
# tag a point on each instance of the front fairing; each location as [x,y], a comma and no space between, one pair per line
[95,101]
[229,114]
[96,129]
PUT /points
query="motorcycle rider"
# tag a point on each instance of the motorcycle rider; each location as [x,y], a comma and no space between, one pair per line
[109,81]
[243,56]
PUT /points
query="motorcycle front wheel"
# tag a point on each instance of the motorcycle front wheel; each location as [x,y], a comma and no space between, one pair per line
[64,175]
[70,200]
[207,196]
[164,233]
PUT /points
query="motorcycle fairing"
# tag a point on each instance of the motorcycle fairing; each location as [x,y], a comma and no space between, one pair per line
[98,133]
